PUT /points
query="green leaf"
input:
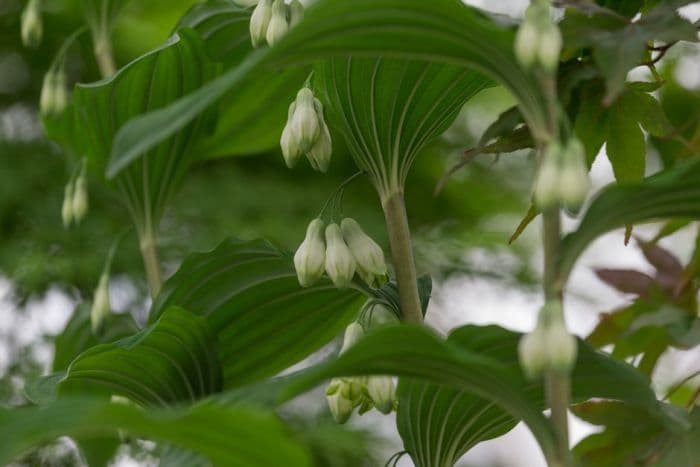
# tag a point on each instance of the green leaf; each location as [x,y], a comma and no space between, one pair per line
[78,336]
[150,82]
[626,145]
[462,363]
[444,31]
[671,194]
[439,423]
[225,435]
[388,110]
[250,120]
[249,294]
[172,360]
[591,124]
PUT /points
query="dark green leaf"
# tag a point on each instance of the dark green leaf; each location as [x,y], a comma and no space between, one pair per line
[227,436]
[444,31]
[249,294]
[172,360]
[626,145]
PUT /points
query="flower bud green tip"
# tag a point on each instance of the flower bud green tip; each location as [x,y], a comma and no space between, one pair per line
[67,207]
[32,29]
[278,25]
[340,264]
[296,13]
[80,199]
[353,333]
[310,257]
[339,404]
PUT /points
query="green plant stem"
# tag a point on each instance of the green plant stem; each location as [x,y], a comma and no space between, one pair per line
[147,242]
[402,256]
[104,56]
[557,385]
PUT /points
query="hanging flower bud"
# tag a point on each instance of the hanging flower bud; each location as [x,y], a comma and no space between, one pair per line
[382,392]
[80,197]
[67,207]
[288,142]
[305,124]
[310,257]
[100,304]
[378,315]
[278,26]
[296,13]
[532,351]
[339,401]
[574,182]
[259,22]
[340,264]
[550,45]
[546,192]
[32,29]
[369,257]
[353,333]
[526,44]
[320,154]
[54,95]
[561,347]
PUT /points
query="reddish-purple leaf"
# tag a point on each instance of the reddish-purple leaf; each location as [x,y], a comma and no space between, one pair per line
[626,280]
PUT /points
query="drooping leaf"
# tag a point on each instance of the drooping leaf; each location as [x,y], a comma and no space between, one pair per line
[670,194]
[462,364]
[444,31]
[250,296]
[389,109]
[172,360]
[98,110]
[226,435]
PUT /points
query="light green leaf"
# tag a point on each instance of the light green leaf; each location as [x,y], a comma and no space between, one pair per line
[249,294]
[227,436]
[172,360]
[443,31]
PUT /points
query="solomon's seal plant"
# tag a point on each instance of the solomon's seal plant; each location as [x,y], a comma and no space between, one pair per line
[226,338]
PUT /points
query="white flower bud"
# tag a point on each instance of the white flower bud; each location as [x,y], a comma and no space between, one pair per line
[561,347]
[296,14]
[549,47]
[382,392]
[574,182]
[532,351]
[369,256]
[339,403]
[527,42]
[60,97]
[67,207]
[259,22]
[80,198]
[289,141]
[340,264]
[278,26]
[310,257]
[100,304]
[305,125]
[320,154]
[32,29]
[546,191]
[353,333]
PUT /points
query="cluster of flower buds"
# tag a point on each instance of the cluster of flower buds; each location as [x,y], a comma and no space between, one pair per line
[364,392]
[538,40]
[54,93]
[549,345]
[340,250]
[306,132]
[75,200]
[271,19]
[101,305]
[32,29]
[562,176]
